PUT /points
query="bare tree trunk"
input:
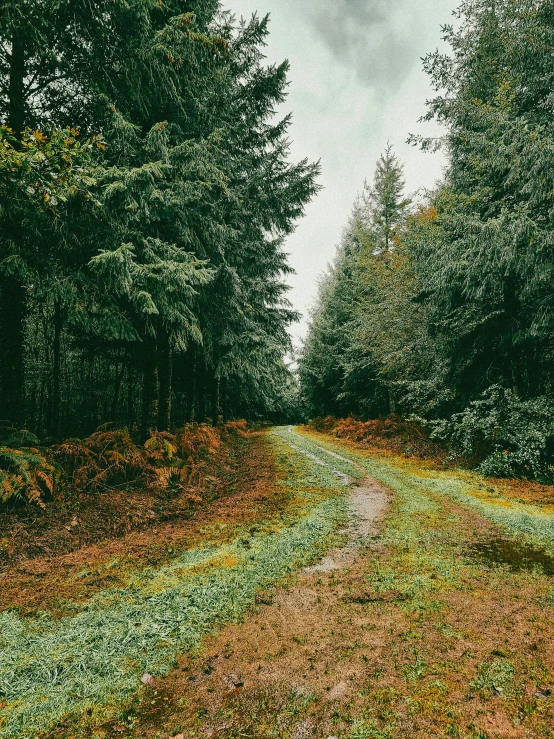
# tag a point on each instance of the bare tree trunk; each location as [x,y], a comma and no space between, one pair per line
[130,398]
[16,91]
[120,367]
[12,322]
[150,387]
[224,401]
[194,398]
[215,401]
[56,369]
[165,372]
[12,291]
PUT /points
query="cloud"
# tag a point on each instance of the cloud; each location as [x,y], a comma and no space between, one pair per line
[376,38]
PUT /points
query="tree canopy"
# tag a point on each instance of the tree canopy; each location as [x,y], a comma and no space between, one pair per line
[146,191]
[450,317]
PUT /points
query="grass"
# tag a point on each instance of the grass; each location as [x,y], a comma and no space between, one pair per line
[438,596]
[430,640]
[91,661]
[469,489]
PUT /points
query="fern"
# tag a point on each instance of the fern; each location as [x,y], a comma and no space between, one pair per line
[25,476]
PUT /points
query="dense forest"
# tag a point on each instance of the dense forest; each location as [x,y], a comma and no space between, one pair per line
[441,307]
[145,192]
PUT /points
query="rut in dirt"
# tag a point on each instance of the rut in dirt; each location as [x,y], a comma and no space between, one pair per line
[368,502]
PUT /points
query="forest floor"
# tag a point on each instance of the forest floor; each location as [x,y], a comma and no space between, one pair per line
[335,592]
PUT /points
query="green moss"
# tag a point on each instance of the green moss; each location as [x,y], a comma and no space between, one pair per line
[93,660]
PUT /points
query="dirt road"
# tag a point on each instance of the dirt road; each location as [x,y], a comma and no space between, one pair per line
[356,595]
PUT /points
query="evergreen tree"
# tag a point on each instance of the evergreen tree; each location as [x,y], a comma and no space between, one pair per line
[342,367]
[488,273]
[384,207]
[175,294]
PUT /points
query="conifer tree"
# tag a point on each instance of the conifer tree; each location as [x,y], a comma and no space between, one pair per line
[384,207]
[175,294]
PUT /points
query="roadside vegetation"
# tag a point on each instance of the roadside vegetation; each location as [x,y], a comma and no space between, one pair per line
[441,627]
[438,305]
[87,662]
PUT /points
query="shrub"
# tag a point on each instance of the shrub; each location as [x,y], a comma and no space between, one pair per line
[110,459]
[502,435]
[393,434]
[196,442]
[25,476]
[105,460]
[323,425]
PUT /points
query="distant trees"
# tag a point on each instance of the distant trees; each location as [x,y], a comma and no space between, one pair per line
[143,283]
[343,359]
[454,313]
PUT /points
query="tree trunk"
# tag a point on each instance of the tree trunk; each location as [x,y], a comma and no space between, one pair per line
[12,321]
[12,291]
[224,404]
[56,370]
[194,391]
[201,393]
[215,401]
[165,371]
[130,398]
[150,387]
[16,91]
[119,369]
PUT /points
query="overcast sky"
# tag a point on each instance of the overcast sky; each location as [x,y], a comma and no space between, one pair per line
[356,82]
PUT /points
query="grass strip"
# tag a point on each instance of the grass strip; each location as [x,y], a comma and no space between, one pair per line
[328,456]
[92,661]
[464,488]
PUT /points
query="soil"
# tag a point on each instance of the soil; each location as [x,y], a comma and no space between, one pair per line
[368,503]
[311,659]
[66,572]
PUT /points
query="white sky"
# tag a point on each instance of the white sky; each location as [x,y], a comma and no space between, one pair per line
[356,82]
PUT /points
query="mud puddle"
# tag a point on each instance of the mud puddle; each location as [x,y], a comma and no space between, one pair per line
[518,557]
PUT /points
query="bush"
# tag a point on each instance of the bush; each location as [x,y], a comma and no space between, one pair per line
[105,460]
[25,476]
[502,435]
[108,460]
[393,434]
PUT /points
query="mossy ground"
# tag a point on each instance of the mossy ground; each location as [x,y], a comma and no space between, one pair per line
[421,638]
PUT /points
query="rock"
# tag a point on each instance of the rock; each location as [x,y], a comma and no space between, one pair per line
[233,681]
[542,693]
[338,691]
[178,736]
[147,679]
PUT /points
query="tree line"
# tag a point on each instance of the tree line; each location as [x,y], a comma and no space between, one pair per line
[146,189]
[442,307]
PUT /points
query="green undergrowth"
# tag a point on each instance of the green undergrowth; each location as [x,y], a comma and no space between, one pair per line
[90,662]
[450,655]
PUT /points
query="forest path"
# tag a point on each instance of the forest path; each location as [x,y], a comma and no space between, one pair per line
[368,502]
[414,633]
[416,625]
[302,644]
[85,663]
